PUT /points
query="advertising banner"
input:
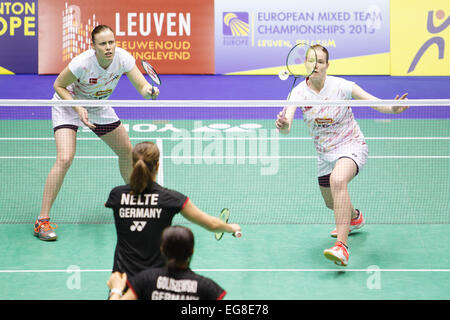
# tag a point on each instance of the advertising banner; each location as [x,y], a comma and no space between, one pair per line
[18,36]
[175,36]
[420,38]
[255,39]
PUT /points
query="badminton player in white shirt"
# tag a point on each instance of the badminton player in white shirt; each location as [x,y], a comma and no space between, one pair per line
[93,74]
[340,144]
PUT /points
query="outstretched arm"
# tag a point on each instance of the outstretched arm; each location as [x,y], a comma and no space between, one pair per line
[140,83]
[360,94]
[194,214]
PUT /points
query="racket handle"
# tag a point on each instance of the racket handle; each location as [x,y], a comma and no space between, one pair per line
[153,92]
[237,234]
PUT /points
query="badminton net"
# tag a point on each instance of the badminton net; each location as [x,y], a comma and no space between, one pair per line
[229,154]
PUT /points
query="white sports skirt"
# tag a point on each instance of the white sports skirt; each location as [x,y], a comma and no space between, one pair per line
[357,151]
[65,115]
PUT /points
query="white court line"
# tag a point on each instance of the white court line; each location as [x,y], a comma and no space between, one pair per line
[220,138]
[227,157]
[160,177]
[71,270]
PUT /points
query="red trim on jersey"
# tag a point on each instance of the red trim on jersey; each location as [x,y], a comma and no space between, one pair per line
[222,295]
[184,204]
[132,289]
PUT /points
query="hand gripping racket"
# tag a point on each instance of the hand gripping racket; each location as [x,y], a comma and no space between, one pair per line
[301,61]
[224,216]
[152,74]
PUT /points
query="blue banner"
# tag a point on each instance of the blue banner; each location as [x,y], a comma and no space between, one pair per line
[19,36]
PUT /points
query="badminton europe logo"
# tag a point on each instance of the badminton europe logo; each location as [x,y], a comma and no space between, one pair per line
[236,28]
[437,40]
[235,24]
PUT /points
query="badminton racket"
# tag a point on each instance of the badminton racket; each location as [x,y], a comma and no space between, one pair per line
[301,61]
[153,76]
[224,216]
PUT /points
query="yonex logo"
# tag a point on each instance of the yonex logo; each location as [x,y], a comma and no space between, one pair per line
[235,24]
[138,225]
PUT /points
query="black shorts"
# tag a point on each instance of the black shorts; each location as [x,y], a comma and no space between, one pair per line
[100,129]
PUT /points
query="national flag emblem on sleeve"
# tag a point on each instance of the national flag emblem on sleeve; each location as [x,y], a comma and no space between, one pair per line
[92,80]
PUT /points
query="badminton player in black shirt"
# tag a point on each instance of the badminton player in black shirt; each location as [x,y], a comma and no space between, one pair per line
[143,209]
[174,281]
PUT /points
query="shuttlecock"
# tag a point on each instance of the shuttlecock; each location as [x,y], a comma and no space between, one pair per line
[283,74]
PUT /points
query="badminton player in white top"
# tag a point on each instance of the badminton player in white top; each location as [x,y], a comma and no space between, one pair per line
[93,74]
[340,144]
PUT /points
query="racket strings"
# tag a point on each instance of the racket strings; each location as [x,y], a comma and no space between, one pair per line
[151,72]
[224,216]
[301,60]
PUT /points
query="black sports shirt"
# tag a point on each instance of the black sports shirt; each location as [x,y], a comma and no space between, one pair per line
[140,220]
[160,284]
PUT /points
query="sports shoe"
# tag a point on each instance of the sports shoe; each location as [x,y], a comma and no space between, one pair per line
[355,224]
[337,253]
[43,229]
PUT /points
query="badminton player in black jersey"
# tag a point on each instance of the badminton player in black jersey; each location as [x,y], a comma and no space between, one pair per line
[174,281]
[143,209]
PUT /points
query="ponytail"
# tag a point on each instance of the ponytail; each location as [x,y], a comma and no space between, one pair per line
[145,163]
[140,178]
[172,264]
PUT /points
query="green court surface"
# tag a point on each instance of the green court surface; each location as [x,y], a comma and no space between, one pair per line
[269,183]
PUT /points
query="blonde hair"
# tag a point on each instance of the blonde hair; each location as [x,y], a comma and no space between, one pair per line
[145,163]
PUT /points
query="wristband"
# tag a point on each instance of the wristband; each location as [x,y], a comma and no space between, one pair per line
[115,290]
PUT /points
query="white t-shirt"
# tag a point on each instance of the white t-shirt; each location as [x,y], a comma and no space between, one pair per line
[330,127]
[95,82]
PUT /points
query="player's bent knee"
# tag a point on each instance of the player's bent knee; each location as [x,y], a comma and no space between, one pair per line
[338,182]
[64,161]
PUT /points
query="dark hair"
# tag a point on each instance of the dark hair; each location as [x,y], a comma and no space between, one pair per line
[145,160]
[177,246]
[318,46]
[98,29]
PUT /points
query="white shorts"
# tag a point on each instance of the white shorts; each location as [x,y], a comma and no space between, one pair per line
[62,115]
[357,151]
